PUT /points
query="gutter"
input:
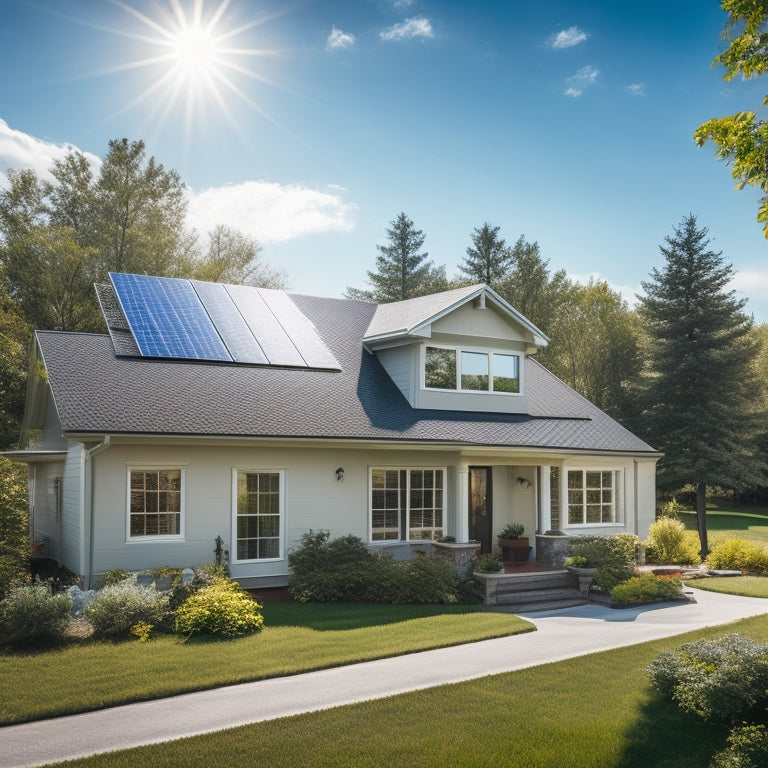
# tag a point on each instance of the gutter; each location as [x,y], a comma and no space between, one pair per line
[88,522]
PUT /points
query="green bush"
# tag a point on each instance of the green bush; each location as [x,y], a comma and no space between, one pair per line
[488,563]
[221,609]
[425,579]
[613,556]
[114,576]
[738,555]
[645,588]
[668,542]
[32,615]
[14,528]
[723,680]
[747,748]
[118,607]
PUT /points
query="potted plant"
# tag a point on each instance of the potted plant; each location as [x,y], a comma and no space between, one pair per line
[514,546]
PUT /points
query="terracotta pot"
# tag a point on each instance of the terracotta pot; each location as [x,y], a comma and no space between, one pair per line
[515,550]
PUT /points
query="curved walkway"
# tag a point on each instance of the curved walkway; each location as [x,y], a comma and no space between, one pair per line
[560,634]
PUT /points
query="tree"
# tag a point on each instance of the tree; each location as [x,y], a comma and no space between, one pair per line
[401,271]
[15,336]
[702,393]
[742,138]
[489,259]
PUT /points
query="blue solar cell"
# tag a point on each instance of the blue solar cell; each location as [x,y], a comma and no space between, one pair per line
[167,318]
[229,323]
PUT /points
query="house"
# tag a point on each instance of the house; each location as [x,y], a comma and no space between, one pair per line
[255,415]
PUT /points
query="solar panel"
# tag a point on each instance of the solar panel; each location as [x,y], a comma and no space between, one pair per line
[234,331]
[167,318]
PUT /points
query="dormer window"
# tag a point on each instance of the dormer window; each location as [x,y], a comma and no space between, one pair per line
[471,370]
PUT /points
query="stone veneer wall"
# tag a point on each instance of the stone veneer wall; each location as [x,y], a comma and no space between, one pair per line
[551,550]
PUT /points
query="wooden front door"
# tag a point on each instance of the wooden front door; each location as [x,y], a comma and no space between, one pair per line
[480,507]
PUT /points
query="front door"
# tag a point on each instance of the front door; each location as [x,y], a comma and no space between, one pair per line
[480,507]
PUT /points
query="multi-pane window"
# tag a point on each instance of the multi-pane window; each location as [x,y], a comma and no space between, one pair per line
[407,504]
[257,515]
[594,496]
[155,502]
[471,370]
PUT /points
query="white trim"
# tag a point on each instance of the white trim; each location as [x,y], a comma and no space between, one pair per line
[180,536]
[408,469]
[282,506]
[458,349]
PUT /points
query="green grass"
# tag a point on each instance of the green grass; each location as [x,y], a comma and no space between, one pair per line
[297,638]
[596,711]
[749,523]
[746,586]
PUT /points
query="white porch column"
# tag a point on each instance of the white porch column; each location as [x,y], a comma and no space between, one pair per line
[545,504]
[462,503]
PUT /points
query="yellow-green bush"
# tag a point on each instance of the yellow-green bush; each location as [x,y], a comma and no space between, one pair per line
[738,555]
[645,588]
[669,542]
[222,608]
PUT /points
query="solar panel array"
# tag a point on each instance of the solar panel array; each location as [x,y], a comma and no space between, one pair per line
[193,320]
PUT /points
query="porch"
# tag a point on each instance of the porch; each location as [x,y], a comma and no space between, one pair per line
[529,587]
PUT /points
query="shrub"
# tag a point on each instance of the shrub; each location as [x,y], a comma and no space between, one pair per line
[613,556]
[14,527]
[118,607]
[221,609]
[32,615]
[645,588]
[747,748]
[739,555]
[667,542]
[490,563]
[722,680]
[424,579]
[113,576]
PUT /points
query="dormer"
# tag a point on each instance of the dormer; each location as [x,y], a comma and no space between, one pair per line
[461,350]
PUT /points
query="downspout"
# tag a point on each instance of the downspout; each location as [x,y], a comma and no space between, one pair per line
[88,507]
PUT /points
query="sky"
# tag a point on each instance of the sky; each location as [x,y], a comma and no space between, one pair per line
[311,125]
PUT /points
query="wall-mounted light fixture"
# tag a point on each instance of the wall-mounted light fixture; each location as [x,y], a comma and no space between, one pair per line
[340,475]
[524,481]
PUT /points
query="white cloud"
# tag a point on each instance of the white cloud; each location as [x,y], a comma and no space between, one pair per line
[270,212]
[402,3]
[340,39]
[752,284]
[21,151]
[567,38]
[585,77]
[418,26]
[636,89]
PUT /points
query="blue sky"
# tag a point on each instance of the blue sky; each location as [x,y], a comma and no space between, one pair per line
[567,122]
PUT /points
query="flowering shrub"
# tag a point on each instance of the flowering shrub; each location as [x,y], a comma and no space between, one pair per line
[222,608]
[738,555]
[645,588]
[31,614]
[118,607]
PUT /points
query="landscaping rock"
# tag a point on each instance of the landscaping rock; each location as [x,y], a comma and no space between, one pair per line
[714,572]
[80,599]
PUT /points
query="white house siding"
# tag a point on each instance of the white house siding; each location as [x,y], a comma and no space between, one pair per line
[401,364]
[45,519]
[72,549]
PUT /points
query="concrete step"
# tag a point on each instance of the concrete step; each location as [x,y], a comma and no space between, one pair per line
[530,581]
[544,605]
[538,596]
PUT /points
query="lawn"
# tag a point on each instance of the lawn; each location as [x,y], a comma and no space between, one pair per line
[595,711]
[746,586]
[297,638]
[750,523]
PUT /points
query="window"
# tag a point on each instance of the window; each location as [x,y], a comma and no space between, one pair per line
[258,513]
[407,504]
[155,502]
[594,496]
[471,370]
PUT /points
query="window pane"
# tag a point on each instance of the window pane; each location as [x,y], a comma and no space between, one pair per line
[440,368]
[506,374]
[258,515]
[474,371]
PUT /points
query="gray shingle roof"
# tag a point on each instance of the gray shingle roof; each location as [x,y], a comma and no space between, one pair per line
[97,392]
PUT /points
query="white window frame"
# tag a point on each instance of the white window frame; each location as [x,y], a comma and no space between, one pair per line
[617,505]
[182,502]
[490,351]
[281,472]
[402,533]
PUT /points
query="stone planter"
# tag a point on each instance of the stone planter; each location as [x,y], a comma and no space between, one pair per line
[461,555]
[515,550]
[583,576]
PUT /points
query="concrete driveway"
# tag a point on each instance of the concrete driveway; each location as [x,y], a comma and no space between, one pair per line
[560,634]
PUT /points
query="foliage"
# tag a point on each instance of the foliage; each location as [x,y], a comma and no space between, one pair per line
[738,555]
[15,336]
[14,525]
[742,138]
[118,607]
[142,631]
[612,556]
[667,542]
[32,615]
[722,680]
[113,576]
[747,748]
[671,509]
[424,579]
[512,531]
[645,588]
[488,563]
[488,260]
[220,609]
[577,561]
[401,271]
[703,391]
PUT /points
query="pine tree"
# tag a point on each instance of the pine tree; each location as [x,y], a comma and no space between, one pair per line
[488,261]
[702,403]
